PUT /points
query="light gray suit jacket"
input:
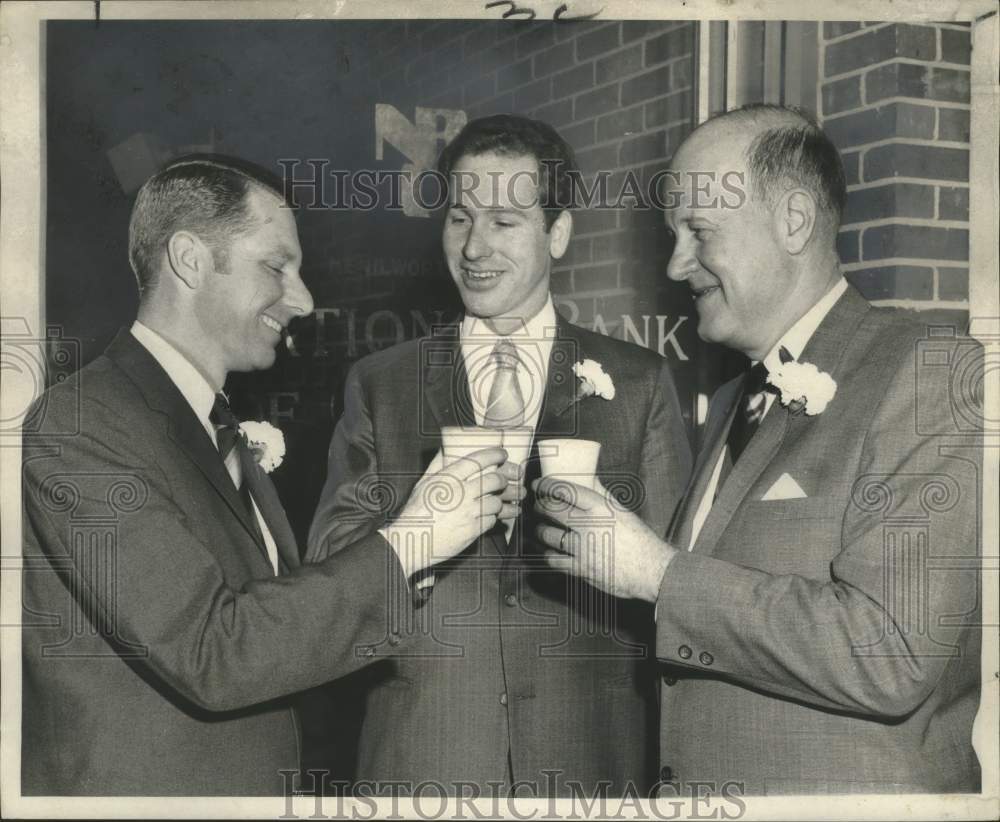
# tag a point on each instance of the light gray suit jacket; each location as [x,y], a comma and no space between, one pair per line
[831,643]
[507,655]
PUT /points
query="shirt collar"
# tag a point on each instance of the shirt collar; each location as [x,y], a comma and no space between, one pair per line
[188,379]
[540,327]
[795,338]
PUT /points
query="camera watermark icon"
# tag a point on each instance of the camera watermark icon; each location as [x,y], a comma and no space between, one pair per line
[501,578]
[29,365]
[455,381]
[89,508]
[951,373]
[911,510]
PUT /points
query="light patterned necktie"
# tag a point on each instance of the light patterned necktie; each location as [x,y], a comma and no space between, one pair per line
[505,407]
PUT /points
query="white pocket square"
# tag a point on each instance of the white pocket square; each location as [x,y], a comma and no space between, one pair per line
[784,488]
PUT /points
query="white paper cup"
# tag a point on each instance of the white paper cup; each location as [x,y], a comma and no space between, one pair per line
[459,441]
[517,443]
[571,460]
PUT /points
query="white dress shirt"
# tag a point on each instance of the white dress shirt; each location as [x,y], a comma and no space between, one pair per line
[794,341]
[201,397]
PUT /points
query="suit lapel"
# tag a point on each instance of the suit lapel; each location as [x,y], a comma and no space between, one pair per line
[758,453]
[447,397]
[446,385]
[824,350]
[271,509]
[183,427]
[557,417]
[719,419]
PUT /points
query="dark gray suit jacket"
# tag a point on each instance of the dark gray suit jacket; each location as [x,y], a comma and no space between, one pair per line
[507,655]
[157,642]
[831,643]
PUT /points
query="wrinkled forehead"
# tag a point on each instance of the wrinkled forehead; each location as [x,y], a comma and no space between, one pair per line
[494,181]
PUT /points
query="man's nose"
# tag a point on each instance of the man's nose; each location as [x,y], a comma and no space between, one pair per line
[682,262]
[476,244]
[297,296]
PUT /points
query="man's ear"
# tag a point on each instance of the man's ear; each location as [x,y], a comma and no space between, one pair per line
[189,258]
[559,234]
[796,216]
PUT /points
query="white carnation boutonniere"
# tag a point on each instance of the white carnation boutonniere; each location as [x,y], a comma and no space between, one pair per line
[803,387]
[594,382]
[266,443]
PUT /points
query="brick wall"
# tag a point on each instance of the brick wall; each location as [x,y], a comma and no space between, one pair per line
[621,93]
[895,100]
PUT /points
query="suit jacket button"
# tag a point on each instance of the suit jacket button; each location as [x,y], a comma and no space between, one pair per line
[503,698]
[511,600]
[684,652]
[706,658]
[669,680]
[666,774]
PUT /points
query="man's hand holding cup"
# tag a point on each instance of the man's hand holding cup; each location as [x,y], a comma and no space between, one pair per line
[452,504]
[460,441]
[594,537]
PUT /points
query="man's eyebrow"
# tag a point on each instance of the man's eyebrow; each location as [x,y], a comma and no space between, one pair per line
[512,210]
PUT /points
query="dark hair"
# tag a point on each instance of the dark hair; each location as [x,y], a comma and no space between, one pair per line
[794,151]
[203,193]
[514,136]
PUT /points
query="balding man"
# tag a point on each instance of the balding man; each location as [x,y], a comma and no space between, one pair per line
[817,594]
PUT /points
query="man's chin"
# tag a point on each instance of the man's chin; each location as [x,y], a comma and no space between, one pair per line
[261,362]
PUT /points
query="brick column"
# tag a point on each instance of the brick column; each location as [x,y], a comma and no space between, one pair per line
[896,103]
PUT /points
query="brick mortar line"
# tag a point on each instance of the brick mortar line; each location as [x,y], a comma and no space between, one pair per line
[922,222]
[929,182]
[408,84]
[910,61]
[885,101]
[840,38]
[923,142]
[627,136]
[624,78]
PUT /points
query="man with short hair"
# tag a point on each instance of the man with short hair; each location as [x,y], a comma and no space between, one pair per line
[166,610]
[515,678]
[817,597]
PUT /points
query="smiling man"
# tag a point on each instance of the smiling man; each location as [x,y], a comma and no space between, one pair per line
[817,598]
[516,678]
[166,610]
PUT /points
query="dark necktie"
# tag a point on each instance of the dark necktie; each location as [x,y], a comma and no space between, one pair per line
[228,436]
[227,426]
[749,412]
[254,486]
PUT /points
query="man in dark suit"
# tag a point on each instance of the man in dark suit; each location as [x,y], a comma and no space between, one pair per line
[166,610]
[817,599]
[513,670]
